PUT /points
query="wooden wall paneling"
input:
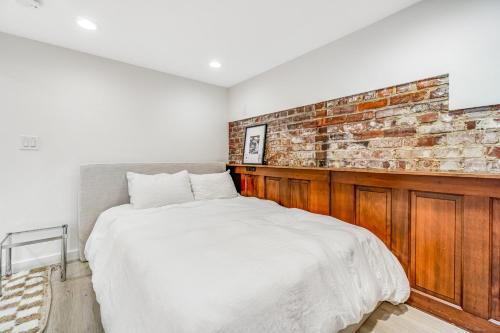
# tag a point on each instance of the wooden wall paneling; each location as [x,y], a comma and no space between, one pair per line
[273,188]
[400,224]
[299,193]
[306,174]
[476,256]
[373,211]
[260,183]
[495,259]
[243,185]
[449,244]
[319,200]
[248,188]
[436,245]
[284,192]
[342,202]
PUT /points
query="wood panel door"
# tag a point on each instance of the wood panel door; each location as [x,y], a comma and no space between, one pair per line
[436,245]
[373,211]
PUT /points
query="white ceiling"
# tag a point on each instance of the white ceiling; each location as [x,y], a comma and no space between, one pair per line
[182,36]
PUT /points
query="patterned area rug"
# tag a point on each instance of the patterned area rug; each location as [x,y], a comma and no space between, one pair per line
[25,303]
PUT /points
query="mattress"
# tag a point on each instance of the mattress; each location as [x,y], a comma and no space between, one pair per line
[237,265]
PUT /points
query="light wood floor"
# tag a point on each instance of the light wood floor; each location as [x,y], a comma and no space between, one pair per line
[75,310]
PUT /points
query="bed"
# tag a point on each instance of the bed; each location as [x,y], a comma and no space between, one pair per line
[227,265]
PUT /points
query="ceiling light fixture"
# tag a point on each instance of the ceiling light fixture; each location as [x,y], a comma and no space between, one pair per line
[215,64]
[30,3]
[86,23]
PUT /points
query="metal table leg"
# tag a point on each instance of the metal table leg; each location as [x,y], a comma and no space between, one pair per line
[64,240]
[8,262]
[1,271]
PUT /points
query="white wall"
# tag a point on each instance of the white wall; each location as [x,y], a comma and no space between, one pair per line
[459,37]
[87,109]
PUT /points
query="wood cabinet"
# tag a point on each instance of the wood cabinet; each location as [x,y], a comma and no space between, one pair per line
[443,228]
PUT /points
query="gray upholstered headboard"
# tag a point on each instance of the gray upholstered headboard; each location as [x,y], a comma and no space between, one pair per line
[103,186]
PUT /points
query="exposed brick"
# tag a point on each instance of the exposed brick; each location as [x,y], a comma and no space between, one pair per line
[341,109]
[406,98]
[384,113]
[320,113]
[320,155]
[494,152]
[418,96]
[471,124]
[372,105]
[354,117]
[386,92]
[400,131]
[368,115]
[319,106]
[407,127]
[428,117]
[435,128]
[475,165]
[456,113]
[320,138]
[439,92]
[427,141]
[369,135]
[487,137]
[450,165]
[432,82]
[404,88]
[311,124]
[333,120]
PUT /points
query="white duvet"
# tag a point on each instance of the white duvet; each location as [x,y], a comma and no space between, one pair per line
[236,265]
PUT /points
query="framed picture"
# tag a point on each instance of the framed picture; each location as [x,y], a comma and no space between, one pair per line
[255,144]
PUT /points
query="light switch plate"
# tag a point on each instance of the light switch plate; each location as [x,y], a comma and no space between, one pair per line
[29,142]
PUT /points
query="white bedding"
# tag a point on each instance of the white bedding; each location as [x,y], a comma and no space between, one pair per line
[236,265]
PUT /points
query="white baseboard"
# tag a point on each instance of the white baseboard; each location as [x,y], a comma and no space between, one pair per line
[43,261]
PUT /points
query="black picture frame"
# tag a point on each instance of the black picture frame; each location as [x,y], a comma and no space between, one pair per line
[263,146]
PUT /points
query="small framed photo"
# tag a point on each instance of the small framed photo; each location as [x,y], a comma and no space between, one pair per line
[255,144]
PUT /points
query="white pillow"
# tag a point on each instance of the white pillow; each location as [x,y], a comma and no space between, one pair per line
[148,191]
[213,186]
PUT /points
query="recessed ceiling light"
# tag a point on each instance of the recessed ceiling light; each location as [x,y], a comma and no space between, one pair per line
[215,64]
[86,23]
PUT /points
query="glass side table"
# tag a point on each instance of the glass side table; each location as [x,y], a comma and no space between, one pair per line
[29,237]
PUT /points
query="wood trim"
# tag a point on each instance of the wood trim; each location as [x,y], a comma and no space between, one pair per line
[453,315]
[495,259]
[309,174]
[441,184]
[477,256]
[379,171]
[400,233]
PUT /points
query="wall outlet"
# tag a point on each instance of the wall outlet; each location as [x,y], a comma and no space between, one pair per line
[29,142]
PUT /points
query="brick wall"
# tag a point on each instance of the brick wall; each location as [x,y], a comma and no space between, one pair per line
[405,127]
